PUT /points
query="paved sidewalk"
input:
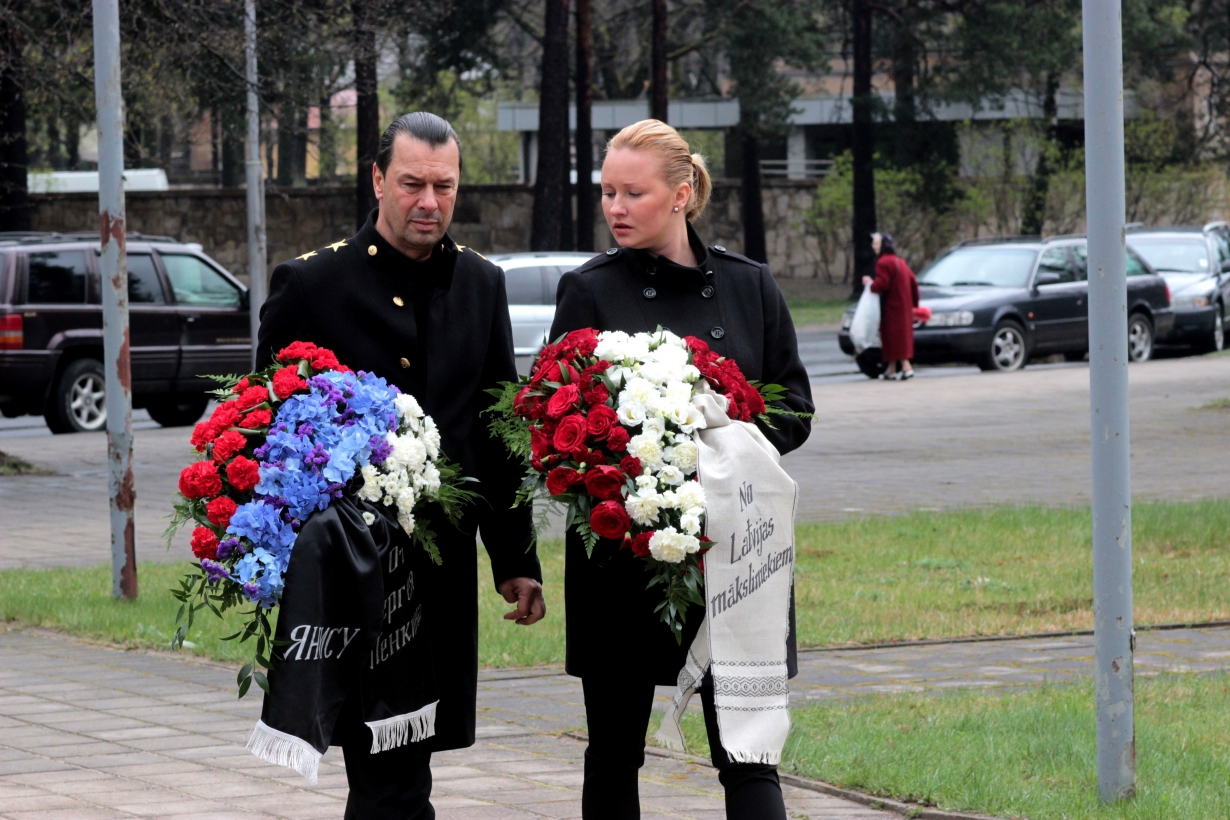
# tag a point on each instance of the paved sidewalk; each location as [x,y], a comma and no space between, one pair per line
[92,733]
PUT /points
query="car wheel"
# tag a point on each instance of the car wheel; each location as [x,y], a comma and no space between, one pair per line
[1140,338]
[177,411]
[79,400]
[1007,351]
[1216,340]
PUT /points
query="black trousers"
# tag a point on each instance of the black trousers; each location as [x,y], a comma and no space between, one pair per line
[617,712]
[391,785]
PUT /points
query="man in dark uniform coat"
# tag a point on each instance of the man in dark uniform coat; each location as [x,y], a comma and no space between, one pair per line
[402,300]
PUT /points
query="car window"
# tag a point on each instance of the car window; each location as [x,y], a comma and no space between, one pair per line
[1134,268]
[1223,247]
[1055,260]
[1174,255]
[144,286]
[524,285]
[554,274]
[997,267]
[56,278]
[196,283]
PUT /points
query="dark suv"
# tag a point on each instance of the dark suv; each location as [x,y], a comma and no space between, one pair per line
[188,318]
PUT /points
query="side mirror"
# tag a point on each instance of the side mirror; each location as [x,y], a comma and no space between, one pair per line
[1046,279]
[1225,266]
[245,300]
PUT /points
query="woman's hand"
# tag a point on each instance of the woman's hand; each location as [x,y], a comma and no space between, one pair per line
[866,280]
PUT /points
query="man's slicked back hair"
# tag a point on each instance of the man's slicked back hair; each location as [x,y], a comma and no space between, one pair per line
[420,125]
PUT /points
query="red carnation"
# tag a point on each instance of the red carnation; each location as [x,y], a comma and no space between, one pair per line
[593,458]
[228,444]
[605,482]
[323,359]
[597,395]
[220,511]
[563,400]
[639,545]
[224,416]
[257,418]
[200,480]
[286,381]
[295,351]
[204,543]
[617,440]
[243,473]
[696,345]
[584,341]
[562,479]
[252,397]
[631,465]
[601,421]
[240,386]
[609,520]
[570,434]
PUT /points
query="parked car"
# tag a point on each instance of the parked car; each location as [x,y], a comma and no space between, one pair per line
[1195,262]
[998,302]
[531,279]
[188,319]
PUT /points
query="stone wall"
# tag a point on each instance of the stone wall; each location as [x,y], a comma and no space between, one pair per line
[490,218]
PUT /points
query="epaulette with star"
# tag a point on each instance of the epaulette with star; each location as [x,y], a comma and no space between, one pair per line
[335,247]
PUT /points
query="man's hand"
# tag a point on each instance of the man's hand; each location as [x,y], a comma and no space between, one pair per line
[526,593]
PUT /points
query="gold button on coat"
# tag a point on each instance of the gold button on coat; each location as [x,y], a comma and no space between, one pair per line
[397,300]
[405,363]
[371,250]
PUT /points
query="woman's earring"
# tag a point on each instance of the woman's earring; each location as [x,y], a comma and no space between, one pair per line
[676,209]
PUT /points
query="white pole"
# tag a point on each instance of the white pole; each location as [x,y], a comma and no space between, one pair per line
[255,178]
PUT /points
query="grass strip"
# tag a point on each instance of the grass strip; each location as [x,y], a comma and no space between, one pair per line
[15,465]
[998,571]
[817,311]
[1025,753]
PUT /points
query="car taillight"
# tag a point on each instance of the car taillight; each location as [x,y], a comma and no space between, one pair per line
[1168,293]
[11,337]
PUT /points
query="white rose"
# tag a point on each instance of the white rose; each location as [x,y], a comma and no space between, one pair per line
[654,426]
[647,483]
[690,495]
[648,448]
[666,545]
[683,455]
[670,474]
[616,374]
[690,373]
[631,414]
[690,523]
[643,509]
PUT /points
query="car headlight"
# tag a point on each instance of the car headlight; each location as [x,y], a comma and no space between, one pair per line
[951,318]
[846,319]
[1190,302]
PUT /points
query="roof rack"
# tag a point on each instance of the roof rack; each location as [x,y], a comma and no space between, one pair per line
[44,237]
[995,240]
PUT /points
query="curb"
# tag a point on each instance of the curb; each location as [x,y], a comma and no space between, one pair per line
[911,810]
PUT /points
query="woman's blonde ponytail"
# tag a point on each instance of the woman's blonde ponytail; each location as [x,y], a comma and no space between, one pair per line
[679,164]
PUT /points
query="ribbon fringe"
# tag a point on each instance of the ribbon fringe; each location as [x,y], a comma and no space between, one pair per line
[409,728]
[286,750]
[763,758]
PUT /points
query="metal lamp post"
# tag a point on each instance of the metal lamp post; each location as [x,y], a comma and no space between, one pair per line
[1108,400]
[114,269]
[255,178]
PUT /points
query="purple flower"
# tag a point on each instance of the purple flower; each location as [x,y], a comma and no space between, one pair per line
[317,458]
[228,545]
[251,589]
[381,449]
[216,571]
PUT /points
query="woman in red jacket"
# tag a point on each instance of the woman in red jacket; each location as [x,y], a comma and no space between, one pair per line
[898,291]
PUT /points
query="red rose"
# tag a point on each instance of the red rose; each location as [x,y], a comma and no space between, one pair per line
[544,367]
[597,395]
[600,366]
[257,418]
[540,442]
[295,351]
[252,397]
[593,458]
[617,440]
[605,482]
[570,434]
[562,479]
[228,444]
[529,404]
[286,381]
[204,543]
[243,473]
[200,480]
[631,465]
[609,520]
[584,341]
[601,421]
[640,545]
[242,385]
[563,400]
[220,511]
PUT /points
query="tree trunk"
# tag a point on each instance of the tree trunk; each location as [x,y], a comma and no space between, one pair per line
[905,114]
[863,135]
[584,136]
[1034,218]
[231,125]
[72,143]
[551,227]
[659,85]
[286,144]
[754,245]
[14,198]
[367,108]
[326,142]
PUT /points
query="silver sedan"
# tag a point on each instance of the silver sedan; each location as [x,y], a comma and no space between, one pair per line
[531,280]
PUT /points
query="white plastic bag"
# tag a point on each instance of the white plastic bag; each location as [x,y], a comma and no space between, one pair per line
[865,326]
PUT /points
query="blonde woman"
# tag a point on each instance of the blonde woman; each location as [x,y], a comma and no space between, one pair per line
[662,274]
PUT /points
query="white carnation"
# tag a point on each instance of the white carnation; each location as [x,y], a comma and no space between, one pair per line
[690,523]
[690,373]
[670,474]
[639,391]
[644,509]
[668,545]
[371,489]
[679,392]
[407,406]
[647,482]
[683,455]
[648,448]
[431,479]
[655,372]
[690,543]
[611,345]
[409,453]
[654,426]
[690,494]
[694,421]
[671,354]
[431,438]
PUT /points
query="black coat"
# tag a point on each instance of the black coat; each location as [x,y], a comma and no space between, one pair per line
[733,304]
[441,332]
